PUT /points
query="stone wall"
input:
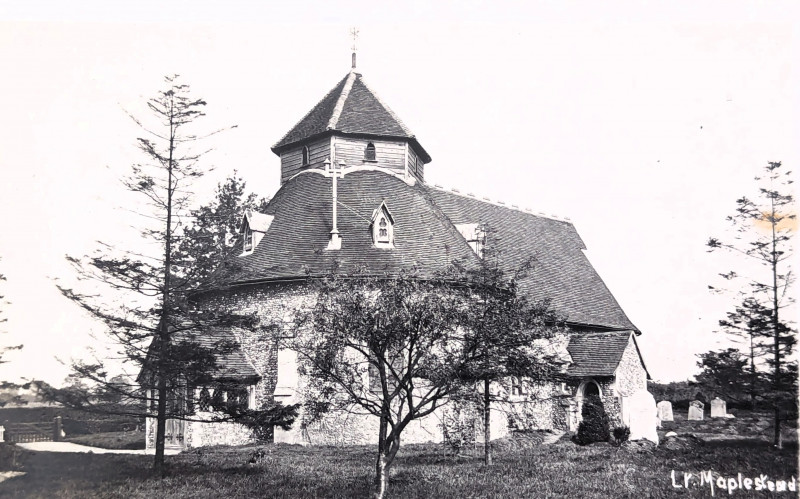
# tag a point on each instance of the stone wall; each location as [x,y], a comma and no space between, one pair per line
[546,406]
[274,304]
[631,376]
[199,434]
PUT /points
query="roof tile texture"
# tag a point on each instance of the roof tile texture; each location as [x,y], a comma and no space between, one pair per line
[596,354]
[362,113]
[561,271]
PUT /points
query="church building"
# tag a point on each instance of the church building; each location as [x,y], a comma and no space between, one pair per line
[353,194]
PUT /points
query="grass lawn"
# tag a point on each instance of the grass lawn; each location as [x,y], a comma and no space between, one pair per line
[559,470]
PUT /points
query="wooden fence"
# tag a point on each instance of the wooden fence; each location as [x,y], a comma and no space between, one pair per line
[32,432]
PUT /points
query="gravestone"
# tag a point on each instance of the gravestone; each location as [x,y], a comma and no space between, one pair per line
[695,410]
[643,416]
[718,408]
[665,410]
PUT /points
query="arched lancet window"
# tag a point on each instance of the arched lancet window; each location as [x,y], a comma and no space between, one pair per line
[369,152]
[305,155]
[383,231]
[382,227]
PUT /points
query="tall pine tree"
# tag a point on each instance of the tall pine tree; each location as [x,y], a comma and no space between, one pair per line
[764,228]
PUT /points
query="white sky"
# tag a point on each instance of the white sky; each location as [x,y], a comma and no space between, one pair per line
[640,124]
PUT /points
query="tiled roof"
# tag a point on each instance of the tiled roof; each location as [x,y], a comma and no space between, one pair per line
[232,363]
[596,354]
[425,237]
[561,272]
[351,107]
[296,240]
[258,222]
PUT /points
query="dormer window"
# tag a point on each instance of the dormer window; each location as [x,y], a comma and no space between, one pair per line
[254,226]
[369,152]
[248,239]
[475,236]
[305,156]
[382,228]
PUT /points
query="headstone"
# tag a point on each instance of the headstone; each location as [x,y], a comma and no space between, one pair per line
[2,433]
[718,408]
[665,410]
[643,416]
[695,410]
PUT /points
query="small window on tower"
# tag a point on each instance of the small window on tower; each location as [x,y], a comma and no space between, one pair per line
[305,155]
[369,152]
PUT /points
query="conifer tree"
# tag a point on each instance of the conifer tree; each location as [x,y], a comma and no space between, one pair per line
[142,293]
[764,228]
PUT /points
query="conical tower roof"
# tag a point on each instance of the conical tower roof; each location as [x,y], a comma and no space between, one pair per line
[350,108]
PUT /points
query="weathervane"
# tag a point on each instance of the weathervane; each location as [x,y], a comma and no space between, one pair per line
[354,34]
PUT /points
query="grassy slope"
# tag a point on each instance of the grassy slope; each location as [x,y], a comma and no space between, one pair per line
[559,470]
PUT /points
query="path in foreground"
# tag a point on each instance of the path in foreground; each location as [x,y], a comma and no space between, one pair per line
[558,470]
[72,447]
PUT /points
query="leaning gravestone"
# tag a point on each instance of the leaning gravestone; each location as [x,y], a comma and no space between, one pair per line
[718,408]
[665,410]
[643,417]
[695,411]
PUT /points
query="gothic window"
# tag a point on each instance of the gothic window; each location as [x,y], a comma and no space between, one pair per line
[248,239]
[305,156]
[383,231]
[369,152]
[204,404]
[190,400]
[382,228]
[518,386]
[217,399]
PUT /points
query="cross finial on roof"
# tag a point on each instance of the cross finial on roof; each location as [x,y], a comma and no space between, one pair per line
[354,34]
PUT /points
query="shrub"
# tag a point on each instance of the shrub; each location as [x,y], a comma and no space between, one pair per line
[620,435]
[594,427]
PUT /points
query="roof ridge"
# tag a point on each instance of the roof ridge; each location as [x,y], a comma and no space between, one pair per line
[337,110]
[386,107]
[313,108]
[501,204]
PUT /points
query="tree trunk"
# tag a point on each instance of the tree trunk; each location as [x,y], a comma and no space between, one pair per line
[487,425]
[161,425]
[753,375]
[776,331]
[164,332]
[381,468]
[382,476]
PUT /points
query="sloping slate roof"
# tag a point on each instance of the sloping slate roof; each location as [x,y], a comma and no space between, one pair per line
[296,240]
[596,354]
[351,107]
[363,112]
[316,120]
[231,363]
[561,272]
